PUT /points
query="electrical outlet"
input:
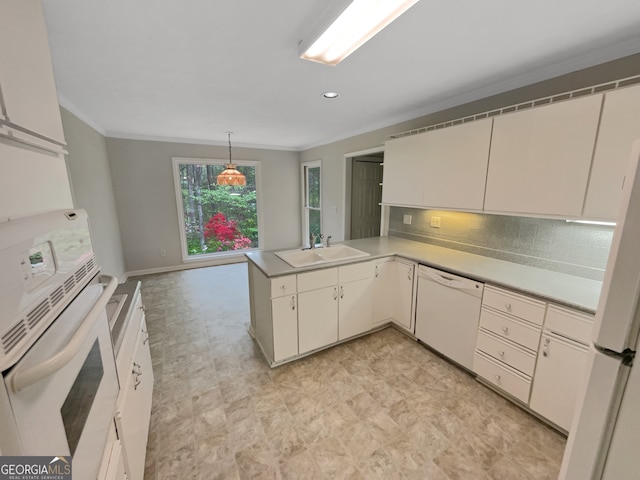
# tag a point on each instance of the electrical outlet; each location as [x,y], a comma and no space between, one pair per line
[435,222]
[407,220]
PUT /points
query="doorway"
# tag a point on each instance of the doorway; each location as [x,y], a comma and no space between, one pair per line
[366,195]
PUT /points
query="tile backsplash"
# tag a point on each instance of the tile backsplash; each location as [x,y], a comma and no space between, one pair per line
[572,248]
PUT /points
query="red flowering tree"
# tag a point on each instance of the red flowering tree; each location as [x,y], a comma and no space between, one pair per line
[221,234]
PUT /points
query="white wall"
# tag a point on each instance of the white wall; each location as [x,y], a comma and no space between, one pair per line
[93,191]
[143,185]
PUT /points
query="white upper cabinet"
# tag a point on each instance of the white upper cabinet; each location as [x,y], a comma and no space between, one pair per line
[29,102]
[404,170]
[540,158]
[455,162]
[444,168]
[619,127]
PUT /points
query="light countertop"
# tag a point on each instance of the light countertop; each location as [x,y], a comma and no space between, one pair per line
[568,290]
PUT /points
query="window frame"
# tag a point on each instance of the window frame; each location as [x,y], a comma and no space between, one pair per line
[224,257]
[304,168]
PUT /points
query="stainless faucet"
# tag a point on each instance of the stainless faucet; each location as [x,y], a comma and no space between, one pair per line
[329,241]
[312,240]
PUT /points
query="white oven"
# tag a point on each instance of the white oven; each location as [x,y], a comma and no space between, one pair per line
[60,385]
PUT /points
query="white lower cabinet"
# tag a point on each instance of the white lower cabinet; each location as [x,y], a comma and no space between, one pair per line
[393,292]
[561,365]
[285,327]
[317,318]
[133,409]
[534,352]
[508,338]
[355,303]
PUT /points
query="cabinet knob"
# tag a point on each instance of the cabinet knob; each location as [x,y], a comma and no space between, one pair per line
[505,330]
[498,377]
[501,353]
[507,306]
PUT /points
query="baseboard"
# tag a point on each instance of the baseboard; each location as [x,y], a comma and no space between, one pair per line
[187,266]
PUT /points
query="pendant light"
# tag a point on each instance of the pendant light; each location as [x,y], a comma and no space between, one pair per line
[230,175]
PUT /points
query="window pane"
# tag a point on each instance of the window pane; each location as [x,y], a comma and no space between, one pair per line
[313,187]
[218,218]
[314,222]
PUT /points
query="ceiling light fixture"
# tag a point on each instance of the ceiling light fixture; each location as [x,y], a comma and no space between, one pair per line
[330,95]
[349,28]
[230,175]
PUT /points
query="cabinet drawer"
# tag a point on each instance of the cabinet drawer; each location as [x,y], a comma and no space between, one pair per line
[357,271]
[502,376]
[281,286]
[506,352]
[569,323]
[514,304]
[512,329]
[317,279]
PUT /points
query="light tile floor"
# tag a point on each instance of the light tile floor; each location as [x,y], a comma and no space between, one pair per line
[382,406]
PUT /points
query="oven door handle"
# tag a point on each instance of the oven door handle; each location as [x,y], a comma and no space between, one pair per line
[23,378]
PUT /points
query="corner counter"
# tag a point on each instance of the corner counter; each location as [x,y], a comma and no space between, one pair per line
[569,290]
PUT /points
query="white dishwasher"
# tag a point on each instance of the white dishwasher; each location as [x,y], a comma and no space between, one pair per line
[448,313]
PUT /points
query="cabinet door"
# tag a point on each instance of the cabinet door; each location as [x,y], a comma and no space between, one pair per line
[285,327]
[404,278]
[317,318]
[135,411]
[619,127]
[559,374]
[384,288]
[403,170]
[455,166]
[27,86]
[540,158]
[355,308]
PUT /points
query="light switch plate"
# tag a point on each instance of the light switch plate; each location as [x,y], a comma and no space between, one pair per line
[435,222]
[407,220]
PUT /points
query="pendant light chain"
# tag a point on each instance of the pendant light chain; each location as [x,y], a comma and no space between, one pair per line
[231,175]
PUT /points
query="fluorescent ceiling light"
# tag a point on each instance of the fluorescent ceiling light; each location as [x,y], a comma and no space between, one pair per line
[360,21]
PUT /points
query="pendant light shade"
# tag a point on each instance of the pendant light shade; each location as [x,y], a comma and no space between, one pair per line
[231,175]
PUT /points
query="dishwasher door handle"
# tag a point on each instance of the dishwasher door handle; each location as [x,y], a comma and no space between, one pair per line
[452,281]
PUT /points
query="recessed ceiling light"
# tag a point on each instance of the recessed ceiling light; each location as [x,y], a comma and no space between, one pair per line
[330,95]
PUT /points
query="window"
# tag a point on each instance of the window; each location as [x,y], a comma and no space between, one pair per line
[215,219]
[311,200]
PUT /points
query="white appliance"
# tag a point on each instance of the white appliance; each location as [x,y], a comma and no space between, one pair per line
[448,313]
[59,383]
[604,440]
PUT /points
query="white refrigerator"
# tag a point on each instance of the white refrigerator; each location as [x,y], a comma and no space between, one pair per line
[604,441]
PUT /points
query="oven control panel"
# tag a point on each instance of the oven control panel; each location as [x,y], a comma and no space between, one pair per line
[37,265]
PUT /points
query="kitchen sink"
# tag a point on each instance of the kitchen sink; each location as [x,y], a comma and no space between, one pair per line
[314,256]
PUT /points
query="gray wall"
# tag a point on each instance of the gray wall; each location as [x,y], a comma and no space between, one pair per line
[146,203]
[573,248]
[92,190]
[332,155]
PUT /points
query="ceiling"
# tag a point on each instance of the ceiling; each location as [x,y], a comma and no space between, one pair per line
[191,70]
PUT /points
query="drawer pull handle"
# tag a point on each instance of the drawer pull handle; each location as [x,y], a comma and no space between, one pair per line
[335,293]
[293,303]
[377,272]
[505,330]
[507,306]
[498,378]
[501,353]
